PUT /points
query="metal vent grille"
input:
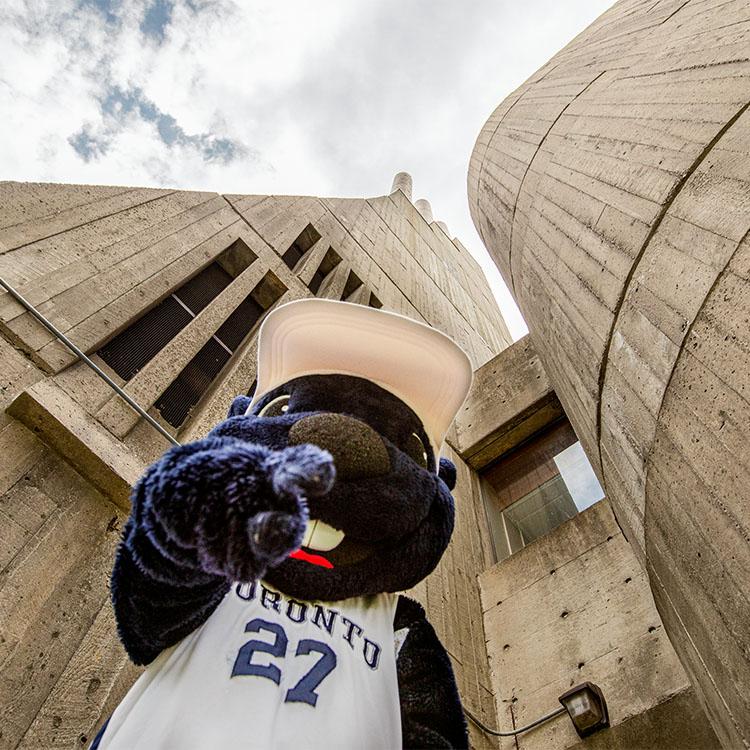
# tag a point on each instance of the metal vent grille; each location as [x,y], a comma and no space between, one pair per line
[353,282]
[307,238]
[292,256]
[186,390]
[203,288]
[131,349]
[239,323]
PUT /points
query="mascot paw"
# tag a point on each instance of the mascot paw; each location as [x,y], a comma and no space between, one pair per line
[294,474]
[274,535]
[302,471]
[258,513]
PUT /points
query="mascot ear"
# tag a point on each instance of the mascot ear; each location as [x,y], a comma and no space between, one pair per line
[239,406]
[447,472]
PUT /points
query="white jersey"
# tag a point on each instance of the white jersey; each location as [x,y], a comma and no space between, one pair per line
[267,671]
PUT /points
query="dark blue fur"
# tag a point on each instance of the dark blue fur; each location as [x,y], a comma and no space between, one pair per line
[232,506]
[431,714]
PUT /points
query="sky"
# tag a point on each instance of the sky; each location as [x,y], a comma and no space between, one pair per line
[327,98]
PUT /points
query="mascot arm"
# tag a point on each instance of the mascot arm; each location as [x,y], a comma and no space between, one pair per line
[431,713]
[206,514]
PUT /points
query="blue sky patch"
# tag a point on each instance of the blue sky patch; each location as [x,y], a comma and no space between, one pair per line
[157,18]
[120,104]
[88,145]
[106,7]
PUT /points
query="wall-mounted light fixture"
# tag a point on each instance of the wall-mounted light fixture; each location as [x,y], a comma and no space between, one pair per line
[586,707]
[584,703]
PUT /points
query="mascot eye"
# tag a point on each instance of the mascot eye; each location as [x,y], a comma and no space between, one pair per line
[415,449]
[276,407]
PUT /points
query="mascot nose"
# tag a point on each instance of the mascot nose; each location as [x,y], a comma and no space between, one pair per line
[357,449]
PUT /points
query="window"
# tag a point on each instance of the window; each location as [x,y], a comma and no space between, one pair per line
[189,386]
[325,269]
[142,340]
[307,238]
[353,282]
[374,302]
[540,485]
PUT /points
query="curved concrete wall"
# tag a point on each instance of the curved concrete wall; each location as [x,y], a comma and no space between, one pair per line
[613,191]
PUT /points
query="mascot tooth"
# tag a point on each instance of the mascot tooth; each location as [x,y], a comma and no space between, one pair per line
[259,572]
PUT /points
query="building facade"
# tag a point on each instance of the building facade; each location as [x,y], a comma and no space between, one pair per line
[165,291]
[565,599]
[602,519]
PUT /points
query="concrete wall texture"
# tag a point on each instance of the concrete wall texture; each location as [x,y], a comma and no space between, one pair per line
[576,607]
[612,190]
[573,605]
[93,259]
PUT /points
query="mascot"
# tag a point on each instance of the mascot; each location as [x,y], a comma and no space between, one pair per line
[259,569]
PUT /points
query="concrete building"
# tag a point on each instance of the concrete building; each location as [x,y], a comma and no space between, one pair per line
[565,599]
[612,190]
[602,522]
[165,290]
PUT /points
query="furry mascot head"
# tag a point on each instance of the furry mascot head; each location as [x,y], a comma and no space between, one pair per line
[384,515]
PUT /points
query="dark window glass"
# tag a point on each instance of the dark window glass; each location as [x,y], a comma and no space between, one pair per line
[375,302]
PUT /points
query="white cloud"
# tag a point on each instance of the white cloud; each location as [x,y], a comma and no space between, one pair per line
[327,98]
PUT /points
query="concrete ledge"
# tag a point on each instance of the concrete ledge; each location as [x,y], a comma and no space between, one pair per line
[677,723]
[61,423]
[511,399]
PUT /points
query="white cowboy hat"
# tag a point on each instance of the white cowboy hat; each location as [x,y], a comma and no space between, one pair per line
[420,365]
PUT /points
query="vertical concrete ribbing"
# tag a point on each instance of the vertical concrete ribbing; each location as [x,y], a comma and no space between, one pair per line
[626,203]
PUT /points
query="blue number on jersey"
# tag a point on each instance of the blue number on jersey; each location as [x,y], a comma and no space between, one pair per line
[243,663]
[304,690]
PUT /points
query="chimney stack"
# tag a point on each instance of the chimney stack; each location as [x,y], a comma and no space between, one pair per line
[424,208]
[402,182]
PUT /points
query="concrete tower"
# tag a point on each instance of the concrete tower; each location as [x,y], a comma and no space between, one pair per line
[612,190]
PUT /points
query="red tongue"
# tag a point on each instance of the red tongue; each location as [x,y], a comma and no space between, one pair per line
[314,559]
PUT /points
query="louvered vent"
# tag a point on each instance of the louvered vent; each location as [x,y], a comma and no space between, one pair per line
[353,282]
[239,323]
[188,388]
[132,348]
[201,289]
